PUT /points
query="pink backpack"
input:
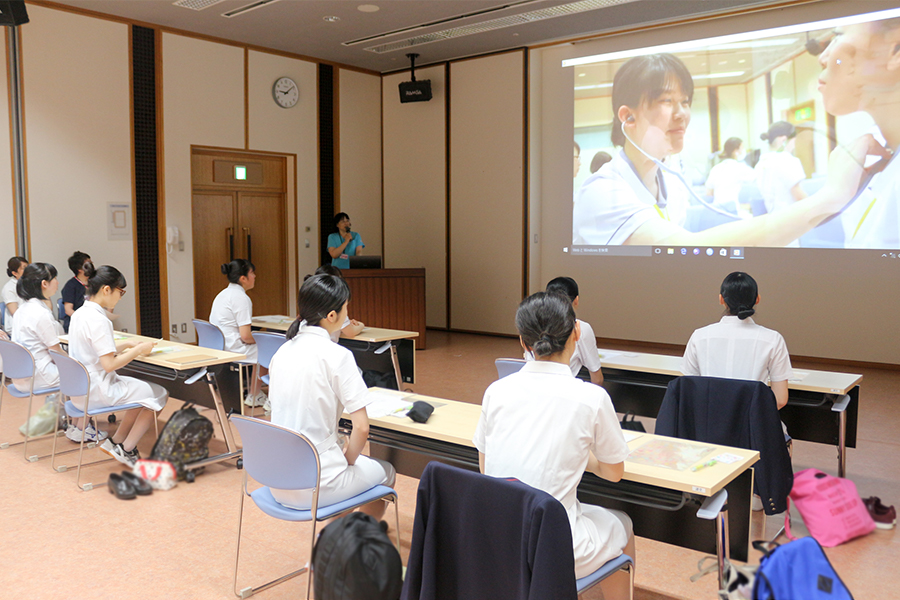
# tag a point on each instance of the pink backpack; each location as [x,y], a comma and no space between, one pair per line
[830,507]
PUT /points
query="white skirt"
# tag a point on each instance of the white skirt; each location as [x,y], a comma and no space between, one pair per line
[352,481]
[110,389]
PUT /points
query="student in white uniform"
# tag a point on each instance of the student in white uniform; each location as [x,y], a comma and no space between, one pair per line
[35,327]
[351,327]
[15,266]
[312,381]
[586,354]
[728,177]
[736,347]
[860,73]
[631,200]
[545,427]
[232,312]
[91,342]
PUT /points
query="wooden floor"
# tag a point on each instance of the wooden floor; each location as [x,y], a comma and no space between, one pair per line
[58,542]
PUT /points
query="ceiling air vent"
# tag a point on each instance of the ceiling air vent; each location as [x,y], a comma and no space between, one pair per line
[196,4]
[551,12]
[248,7]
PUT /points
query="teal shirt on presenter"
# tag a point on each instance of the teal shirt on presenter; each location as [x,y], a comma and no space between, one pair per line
[336,239]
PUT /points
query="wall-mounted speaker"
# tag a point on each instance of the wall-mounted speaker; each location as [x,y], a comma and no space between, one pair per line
[12,12]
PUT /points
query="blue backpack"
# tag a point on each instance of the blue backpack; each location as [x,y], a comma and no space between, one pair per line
[798,570]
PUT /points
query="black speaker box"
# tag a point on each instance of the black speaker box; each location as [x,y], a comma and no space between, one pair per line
[12,12]
[415,91]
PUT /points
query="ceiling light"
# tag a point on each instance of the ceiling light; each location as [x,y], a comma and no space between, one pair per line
[331,19]
[582,74]
[593,87]
[714,75]
[248,7]
[368,8]
[196,4]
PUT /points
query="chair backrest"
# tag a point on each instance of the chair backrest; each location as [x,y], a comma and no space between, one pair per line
[208,335]
[276,456]
[60,310]
[2,314]
[74,380]
[18,363]
[267,345]
[508,366]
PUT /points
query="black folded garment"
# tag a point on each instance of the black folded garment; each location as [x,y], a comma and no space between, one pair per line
[420,411]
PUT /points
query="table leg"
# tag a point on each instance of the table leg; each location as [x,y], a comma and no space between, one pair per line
[842,443]
[722,544]
[224,423]
[396,362]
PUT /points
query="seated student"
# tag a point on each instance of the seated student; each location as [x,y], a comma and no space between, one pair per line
[351,327]
[75,289]
[35,328]
[91,342]
[311,382]
[14,269]
[344,243]
[578,430]
[232,311]
[736,347]
[586,353]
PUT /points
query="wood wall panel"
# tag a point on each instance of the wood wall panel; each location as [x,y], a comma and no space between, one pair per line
[388,298]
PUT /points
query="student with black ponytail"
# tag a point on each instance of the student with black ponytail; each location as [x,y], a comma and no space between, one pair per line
[91,342]
[15,266]
[312,381]
[232,312]
[736,347]
[545,427]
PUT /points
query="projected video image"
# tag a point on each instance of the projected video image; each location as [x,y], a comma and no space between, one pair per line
[777,138]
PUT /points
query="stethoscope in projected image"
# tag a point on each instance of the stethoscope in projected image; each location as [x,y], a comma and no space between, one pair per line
[680,177]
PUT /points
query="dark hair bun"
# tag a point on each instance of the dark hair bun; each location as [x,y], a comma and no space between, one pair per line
[224,268]
[745,312]
[764,137]
[89,269]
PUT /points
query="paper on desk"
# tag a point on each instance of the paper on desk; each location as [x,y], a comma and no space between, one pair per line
[384,404]
[631,435]
[273,319]
[163,350]
[727,458]
[798,375]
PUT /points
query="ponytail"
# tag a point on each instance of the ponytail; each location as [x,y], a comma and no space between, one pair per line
[29,284]
[13,264]
[234,270]
[318,297]
[98,278]
[545,322]
[739,291]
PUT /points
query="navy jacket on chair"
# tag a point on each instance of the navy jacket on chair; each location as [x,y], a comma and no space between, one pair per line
[732,412]
[482,538]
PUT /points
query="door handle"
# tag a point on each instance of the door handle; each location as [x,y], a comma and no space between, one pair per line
[249,246]
[229,233]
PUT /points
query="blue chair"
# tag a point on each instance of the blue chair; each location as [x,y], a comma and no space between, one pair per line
[2,315]
[267,344]
[60,310]
[210,336]
[508,366]
[283,459]
[623,562]
[74,381]
[18,363]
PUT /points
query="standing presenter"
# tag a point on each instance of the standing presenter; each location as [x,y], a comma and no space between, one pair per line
[345,243]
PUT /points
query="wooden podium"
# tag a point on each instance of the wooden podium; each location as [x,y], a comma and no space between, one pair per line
[389,299]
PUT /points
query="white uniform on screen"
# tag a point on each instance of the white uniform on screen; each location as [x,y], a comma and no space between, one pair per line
[776,174]
[586,353]
[873,219]
[726,180]
[613,203]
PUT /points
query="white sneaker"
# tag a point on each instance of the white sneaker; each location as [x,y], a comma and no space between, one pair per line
[259,400]
[118,452]
[267,406]
[90,434]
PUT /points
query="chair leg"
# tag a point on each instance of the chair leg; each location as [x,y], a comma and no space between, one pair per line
[241,389]
[237,555]
[397,519]
[28,429]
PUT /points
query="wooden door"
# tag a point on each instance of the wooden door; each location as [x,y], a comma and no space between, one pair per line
[260,223]
[212,225]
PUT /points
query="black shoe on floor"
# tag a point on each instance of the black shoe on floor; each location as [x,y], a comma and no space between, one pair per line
[119,486]
[140,485]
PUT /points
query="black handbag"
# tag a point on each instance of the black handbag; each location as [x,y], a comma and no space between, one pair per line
[630,423]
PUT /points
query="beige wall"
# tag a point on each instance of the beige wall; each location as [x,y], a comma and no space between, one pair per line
[486,192]
[203,105]
[7,210]
[733,120]
[78,135]
[290,131]
[359,97]
[415,188]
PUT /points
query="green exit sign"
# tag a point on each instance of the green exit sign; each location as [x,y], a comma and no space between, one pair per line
[240,172]
[804,114]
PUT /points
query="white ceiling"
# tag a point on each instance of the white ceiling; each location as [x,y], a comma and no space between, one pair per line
[298,26]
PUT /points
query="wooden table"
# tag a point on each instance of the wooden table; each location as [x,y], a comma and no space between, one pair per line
[178,378]
[661,501]
[365,346]
[822,407]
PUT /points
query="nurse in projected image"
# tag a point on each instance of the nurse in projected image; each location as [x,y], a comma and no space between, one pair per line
[636,199]
[862,73]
